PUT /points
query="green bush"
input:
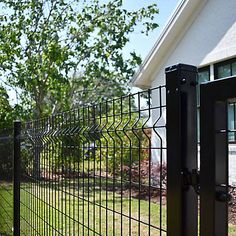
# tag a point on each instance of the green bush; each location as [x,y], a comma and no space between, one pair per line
[6,154]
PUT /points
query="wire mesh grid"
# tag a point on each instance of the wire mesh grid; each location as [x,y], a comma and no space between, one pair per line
[6,181]
[97,170]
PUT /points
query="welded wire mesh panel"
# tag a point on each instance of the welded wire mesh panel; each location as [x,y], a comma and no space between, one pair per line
[6,185]
[97,170]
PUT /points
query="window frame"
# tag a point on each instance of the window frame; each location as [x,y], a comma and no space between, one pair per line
[234,133]
[223,63]
[216,76]
[201,69]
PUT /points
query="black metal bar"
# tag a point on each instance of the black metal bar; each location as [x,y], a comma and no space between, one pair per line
[182,205]
[214,156]
[221,178]
[17,171]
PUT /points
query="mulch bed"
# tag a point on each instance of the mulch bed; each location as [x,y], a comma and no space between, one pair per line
[232,207]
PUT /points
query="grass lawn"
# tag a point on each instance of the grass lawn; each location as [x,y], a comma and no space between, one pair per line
[6,209]
[232,230]
[52,209]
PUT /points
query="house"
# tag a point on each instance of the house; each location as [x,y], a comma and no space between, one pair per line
[200,33]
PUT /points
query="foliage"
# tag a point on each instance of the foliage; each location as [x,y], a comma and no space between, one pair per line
[145,170]
[6,111]
[51,48]
[7,114]
[6,154]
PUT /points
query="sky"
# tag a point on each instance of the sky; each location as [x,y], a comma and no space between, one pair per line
[139,42]
[142,44]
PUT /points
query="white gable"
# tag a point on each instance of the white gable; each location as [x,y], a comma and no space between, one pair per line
[201,34]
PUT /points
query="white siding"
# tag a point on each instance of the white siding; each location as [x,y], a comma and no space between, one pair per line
[211,38]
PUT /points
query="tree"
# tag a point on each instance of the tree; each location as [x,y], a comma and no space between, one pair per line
[48,48]
[6,110]
[6,118]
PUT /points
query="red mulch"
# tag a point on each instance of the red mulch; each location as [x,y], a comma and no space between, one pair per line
[232,207]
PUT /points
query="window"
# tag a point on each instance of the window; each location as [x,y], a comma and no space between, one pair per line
[222,70]
[203,76]
[232,121]
[225,69]
[234,68]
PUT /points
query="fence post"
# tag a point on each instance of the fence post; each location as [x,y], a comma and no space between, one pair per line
[182,200]
[16,178]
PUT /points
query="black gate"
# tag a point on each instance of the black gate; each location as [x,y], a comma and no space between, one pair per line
[215,97]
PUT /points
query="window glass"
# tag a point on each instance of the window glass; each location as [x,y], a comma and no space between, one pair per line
[234,68]
[198,124]
[224,71]
[203,76]
[231,120]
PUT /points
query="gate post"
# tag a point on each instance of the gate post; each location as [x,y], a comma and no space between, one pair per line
[16,178]
[181,102]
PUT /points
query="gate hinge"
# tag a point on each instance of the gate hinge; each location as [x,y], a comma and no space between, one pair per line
[191,179]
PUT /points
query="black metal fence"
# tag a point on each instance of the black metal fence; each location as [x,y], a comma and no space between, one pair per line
[102,169]
[6,181]
[106,169]
[92,171]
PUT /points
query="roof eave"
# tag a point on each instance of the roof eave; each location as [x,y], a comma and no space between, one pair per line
[182,16]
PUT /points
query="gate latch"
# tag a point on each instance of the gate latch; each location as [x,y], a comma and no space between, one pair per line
[222,194]
[191,179]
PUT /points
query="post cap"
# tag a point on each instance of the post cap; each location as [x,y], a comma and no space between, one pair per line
[181,66]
